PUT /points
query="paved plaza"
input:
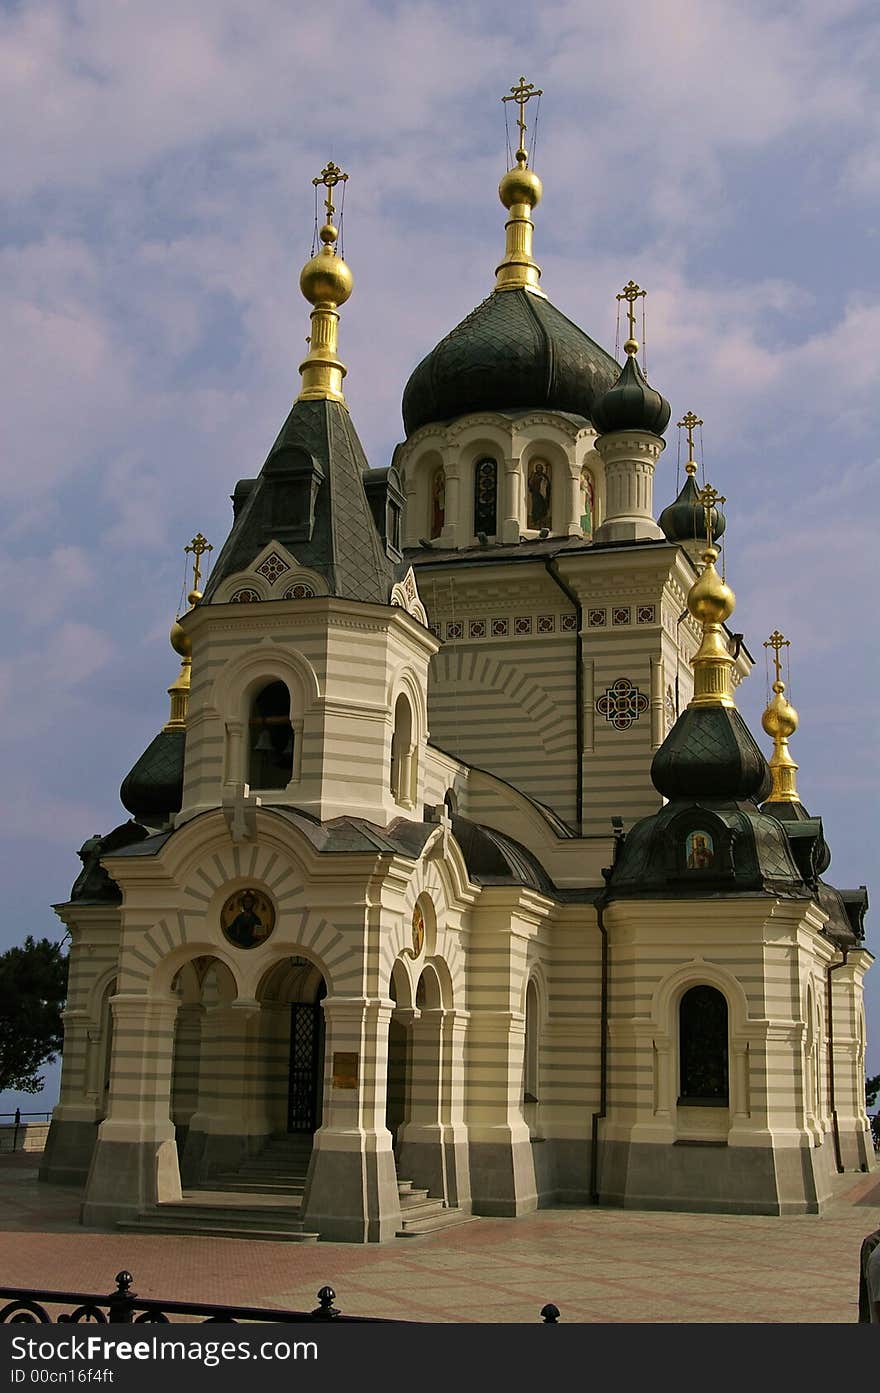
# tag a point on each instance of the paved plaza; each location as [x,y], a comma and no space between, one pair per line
[597,1265]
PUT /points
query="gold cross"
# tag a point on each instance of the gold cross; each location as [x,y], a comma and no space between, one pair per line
[631,293]
[330,176]
[198,546]
[521,94]
[690,422]
[777,641]
[708,498]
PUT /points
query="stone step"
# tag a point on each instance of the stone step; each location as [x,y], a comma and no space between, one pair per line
[446,1219]
[269,1213]
[211,1228]
[236,1184]
[422,1209]
[408,1197]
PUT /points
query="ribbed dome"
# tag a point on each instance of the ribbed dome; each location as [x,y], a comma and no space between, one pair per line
[685,521]
[631,404]
[710,753]
[515,351]
[153,790]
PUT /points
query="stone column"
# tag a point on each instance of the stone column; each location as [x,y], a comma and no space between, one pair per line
[185,1077]
[502,1169]
[351,1193]
[453,528]
[510,522]
[134,1164]
[573,521]
[629,458]
[229,1124]
[73,1128]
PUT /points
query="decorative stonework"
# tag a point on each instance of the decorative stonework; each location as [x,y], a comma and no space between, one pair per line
[669,709]
[500,628]
[546,623]
[597,618]
[300,591]
[568,623]
[245,596]
[622,703]
[621,615]
[272,567]
[646,614]
[455,629]
[522,624]
[477,628]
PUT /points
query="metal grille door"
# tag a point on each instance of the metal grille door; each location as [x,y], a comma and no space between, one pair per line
[302,1097]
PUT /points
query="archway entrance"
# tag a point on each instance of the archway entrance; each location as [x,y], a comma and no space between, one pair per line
[293,1059]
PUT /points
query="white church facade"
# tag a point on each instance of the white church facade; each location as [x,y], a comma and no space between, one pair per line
[455,884]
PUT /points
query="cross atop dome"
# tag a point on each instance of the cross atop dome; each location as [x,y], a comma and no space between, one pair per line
[522,93]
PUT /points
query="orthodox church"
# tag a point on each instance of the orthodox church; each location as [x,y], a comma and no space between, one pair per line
[455,884]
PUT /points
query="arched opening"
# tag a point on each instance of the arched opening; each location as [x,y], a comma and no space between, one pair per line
[292,1063]
[437,502]
[403,771]
[703,1048]
[486,497]
[270,738]
[398,1053]
[539,495]
[531,1094]
[588,502]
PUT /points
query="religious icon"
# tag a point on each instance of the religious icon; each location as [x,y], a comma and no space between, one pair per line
[587,496]
[700,851]
[540,490]
[418,931]
[485,488]
[438,501]
[247,918]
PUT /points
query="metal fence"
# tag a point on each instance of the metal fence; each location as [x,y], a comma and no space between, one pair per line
[16,1131]
[124,1307]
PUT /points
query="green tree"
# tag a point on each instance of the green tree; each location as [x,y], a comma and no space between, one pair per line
[33,988]
[872,1088]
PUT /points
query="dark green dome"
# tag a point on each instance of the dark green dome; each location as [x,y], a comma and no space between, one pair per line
[685,521]
[710,753]
[631,404]
[153,790]
[745,852]
[515,351]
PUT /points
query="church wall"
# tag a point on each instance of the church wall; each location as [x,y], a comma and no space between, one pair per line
[759,1153]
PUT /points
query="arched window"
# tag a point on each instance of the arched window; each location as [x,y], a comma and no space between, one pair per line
[437,502]
[530,1071]
[540,495]
[588,502]
[486,496]
[403,753]
[703,1047]
[270,738]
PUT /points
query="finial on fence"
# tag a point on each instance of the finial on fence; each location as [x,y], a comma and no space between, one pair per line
[326,1310]
[550,1313]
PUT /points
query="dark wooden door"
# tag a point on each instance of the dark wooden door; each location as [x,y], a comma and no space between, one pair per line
[302,1097]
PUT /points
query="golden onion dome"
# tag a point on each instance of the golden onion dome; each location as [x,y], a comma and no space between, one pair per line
[520,185]
[326,279]
[780,720]
[710,600]
[180,640]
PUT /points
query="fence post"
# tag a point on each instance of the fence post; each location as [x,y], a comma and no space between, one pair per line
[15,1128]
[120,1304]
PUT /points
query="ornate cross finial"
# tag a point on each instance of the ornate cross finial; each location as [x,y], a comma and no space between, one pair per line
[777,641]
[330,176]
[709,498]
[521,94]
[690,421]
[198,546]
[630,293]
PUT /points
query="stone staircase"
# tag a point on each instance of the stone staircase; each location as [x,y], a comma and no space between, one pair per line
[260,1200]
[420,1214]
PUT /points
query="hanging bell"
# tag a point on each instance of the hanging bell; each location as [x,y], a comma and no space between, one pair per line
[264,741]
[288,748]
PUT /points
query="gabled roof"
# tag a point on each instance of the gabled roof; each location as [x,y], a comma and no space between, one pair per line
[310,496]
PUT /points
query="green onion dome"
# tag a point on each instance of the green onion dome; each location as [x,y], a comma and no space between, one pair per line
[685,520]
[631,404]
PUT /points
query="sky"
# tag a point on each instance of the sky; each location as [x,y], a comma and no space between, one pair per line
[157,207]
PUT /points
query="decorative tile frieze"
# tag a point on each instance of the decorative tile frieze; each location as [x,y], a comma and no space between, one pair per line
[300,591]
[546,623]
[646,614]
[522,624]
[568,623]
[500,628]
[245,596]
[621,614]
[455,629]
[597,618]
[622,703]
[272,567]
[477,628]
